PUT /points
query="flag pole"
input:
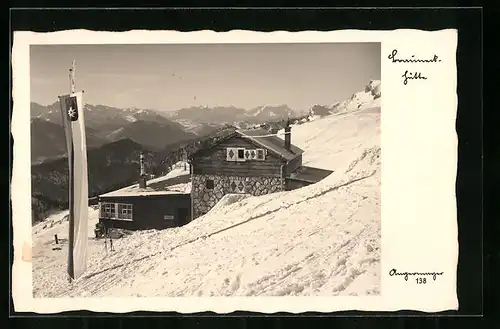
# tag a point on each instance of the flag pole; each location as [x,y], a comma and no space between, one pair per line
[71,191]
[72,77]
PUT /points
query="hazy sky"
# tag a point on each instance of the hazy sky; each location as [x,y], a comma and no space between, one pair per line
[169,77]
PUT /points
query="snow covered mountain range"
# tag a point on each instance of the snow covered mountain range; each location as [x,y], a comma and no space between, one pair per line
[106,124]
[103,125]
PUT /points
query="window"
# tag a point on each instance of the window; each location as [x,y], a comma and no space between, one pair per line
[261,155]
[108,210]
[120,211]
[243,154]
[209,184]
[124,211]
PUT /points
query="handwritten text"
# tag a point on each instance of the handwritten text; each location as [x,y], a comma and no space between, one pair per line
[405,275]
[392,57]
[412,75]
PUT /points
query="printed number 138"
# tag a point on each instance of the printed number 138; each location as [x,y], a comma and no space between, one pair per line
[421,280]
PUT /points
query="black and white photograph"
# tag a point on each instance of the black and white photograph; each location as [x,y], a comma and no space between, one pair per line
[234,171]
[213,169]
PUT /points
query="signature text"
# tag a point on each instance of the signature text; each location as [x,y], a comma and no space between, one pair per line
[408,74]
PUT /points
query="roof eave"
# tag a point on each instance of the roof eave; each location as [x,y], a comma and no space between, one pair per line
[191,156]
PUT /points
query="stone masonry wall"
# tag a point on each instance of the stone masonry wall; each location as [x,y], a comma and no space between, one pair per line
[204,199]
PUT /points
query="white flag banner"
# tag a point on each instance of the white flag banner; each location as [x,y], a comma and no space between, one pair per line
[74,128]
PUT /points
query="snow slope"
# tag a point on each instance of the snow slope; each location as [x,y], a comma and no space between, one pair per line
[322,240]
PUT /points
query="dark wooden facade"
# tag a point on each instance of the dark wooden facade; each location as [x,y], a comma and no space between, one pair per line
[212,161]
[293,165]
[149,211]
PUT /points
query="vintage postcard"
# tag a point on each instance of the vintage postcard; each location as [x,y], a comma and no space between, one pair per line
[205,171]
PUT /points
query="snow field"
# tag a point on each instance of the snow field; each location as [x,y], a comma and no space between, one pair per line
[322,240]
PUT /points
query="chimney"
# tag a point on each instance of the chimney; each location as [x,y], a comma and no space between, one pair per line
[288,135]
[142,178]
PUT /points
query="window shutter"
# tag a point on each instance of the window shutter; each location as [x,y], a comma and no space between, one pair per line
[248,154]
[231,154]
[241,186]
[237,186]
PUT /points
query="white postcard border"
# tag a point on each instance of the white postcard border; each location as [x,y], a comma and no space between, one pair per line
[419,162]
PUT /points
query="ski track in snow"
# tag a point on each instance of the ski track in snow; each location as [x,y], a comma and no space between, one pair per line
[321,240]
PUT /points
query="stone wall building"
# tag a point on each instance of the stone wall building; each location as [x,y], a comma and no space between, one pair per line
[250,162]
[204,198]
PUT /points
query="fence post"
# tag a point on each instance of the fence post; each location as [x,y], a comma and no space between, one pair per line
[55,237]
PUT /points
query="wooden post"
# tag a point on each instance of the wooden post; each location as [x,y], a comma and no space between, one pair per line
[55,237]
[111,243]
[184,158]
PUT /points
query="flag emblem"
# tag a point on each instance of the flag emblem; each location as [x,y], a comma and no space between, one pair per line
[72,106]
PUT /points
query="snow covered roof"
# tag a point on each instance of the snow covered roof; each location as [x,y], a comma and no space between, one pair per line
[175,182]
[310,174]
[149,190]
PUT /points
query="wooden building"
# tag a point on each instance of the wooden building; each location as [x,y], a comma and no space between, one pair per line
[164,202]
[250,161]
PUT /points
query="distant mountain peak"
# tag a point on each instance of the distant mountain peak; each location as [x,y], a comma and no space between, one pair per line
[369,97]
[131,118]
